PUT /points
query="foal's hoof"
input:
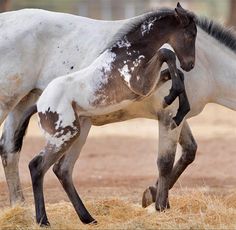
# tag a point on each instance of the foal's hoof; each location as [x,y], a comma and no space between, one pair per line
[173,125]
[94,222]
[89,221]
[45,224]
[149,196]
[164,104]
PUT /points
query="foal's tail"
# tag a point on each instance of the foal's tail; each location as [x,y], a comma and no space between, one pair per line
[22,127]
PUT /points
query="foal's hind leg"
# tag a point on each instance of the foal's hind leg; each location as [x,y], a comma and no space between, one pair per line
[60,141]
[189,148]
[64,168]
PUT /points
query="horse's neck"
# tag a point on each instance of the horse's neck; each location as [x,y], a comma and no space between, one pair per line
[220,63]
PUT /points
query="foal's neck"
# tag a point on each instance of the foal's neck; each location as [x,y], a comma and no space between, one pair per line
[148,37]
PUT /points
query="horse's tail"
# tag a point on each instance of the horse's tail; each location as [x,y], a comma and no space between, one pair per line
[22,127]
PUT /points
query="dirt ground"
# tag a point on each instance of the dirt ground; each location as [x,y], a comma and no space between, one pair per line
[119,162]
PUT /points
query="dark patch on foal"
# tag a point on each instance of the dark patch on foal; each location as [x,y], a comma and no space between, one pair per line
[48,121]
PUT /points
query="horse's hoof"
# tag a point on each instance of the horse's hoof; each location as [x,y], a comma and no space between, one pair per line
[149,196]
[161,207]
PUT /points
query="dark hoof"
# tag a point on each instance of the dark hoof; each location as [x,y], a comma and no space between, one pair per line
[93,223]
[161,207]
[89,220]
[164,104]
[149,196]
[173,125]
[45,224]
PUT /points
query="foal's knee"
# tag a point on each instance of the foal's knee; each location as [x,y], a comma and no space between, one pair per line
[165,164]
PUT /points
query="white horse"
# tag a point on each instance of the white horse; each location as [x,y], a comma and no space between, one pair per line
[212,80]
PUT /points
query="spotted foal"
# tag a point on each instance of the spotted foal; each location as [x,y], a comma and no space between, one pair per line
[127,71]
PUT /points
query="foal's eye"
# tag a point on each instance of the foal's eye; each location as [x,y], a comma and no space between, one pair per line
[189,35]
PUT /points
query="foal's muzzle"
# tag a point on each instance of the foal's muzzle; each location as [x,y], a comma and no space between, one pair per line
[187,66]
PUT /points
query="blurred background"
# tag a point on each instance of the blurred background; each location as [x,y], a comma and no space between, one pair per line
[120,159]
[223,10]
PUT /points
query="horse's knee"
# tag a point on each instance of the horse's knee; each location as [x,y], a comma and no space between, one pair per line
[165,164]
[189,153]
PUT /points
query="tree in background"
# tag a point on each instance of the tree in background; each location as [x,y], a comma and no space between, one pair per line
[232,13]
[4,5]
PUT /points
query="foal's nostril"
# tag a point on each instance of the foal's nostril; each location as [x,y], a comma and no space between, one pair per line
[191,65]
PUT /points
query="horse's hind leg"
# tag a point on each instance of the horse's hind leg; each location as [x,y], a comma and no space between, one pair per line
[64,168]
[10,158]
[189,148]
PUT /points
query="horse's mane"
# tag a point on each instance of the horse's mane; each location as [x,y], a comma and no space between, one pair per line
[221,33]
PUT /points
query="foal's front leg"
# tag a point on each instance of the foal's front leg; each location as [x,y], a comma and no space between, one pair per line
[184,106]
[177,88]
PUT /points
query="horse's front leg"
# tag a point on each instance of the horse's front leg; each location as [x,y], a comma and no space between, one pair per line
[189,148]
[168,139]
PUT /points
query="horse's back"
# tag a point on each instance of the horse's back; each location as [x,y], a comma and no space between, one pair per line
[41,45]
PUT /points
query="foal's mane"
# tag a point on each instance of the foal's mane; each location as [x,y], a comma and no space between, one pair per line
[221,33]
[137,21]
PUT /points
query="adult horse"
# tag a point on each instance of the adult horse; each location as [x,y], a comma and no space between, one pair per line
[212,80]
[46,45]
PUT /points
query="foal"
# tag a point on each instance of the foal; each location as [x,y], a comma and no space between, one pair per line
[125,72]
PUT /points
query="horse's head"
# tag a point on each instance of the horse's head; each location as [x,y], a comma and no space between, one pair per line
[183,38]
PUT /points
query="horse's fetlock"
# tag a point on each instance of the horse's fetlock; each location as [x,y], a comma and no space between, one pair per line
[165,164]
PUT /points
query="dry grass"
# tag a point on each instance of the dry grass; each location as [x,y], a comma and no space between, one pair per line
[194,210]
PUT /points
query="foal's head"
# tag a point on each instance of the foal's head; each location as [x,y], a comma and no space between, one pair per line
[183,37]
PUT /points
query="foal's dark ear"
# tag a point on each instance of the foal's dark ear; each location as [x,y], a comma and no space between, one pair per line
[182,15]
